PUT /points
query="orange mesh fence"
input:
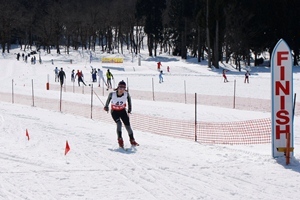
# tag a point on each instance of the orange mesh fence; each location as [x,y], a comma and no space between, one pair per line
[210,100]
[241,132]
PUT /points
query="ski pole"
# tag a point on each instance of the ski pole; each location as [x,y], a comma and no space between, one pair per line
[99,98]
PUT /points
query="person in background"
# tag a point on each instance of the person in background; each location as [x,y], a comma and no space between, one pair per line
[73,76]
[61,76]
[56,71]
[224,75]
[94,75]
[159,65]
[109,76]
[161,78]
[101,77]
[118,99]
[247,74]
[80,77]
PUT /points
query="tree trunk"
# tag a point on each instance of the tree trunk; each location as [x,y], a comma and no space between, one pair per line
[150,44]
[216,51]
[183,40]
[199,44]
[207,36]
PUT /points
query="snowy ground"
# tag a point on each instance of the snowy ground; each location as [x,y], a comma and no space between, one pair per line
[161,167]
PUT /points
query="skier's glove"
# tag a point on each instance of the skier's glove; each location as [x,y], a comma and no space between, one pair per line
[106,108]
[129,111]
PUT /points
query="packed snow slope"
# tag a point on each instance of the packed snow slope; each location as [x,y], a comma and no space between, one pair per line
[161,167]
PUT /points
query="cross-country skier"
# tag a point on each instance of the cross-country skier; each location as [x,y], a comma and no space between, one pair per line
[94,74]
[73,75]
[80,77]
[109,76]
[118,99]
[101,77]
[56,71]
[61,75]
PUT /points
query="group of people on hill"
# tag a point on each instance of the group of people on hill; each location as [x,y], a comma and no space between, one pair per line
[246,80]
[60,75]
[26,56]
[161,73]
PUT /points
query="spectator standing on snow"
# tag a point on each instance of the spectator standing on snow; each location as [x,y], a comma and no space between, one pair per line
[159,65]
[101,77]
[224,75]
[94,75]
[56,71]
[61,76]
[18,56]
[80,77]
[161,78]
[118,99]
[109,76]
[247,74]
[73,76]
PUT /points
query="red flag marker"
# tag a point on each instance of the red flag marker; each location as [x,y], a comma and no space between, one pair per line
[27,134]
[67,149]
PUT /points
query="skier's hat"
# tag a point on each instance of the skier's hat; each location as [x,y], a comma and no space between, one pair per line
[122,83]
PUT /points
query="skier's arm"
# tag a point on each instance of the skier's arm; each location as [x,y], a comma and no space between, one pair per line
[108,101]
[129,103]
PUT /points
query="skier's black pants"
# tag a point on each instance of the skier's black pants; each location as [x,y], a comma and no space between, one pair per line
[61,81]
[109,83]
[119,115]
[80,80]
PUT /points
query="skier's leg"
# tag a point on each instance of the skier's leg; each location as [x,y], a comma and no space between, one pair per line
[83,82]
[119,128]
[104,82]
[125,118]
[116,117]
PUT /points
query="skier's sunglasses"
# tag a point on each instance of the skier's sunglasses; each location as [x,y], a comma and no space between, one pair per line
[122,87]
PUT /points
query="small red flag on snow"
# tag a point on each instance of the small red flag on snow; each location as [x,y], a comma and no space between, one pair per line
[27,134]
[67,149]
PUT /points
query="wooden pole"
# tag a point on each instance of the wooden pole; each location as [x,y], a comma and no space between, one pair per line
[32,92]
[195,117]
[288,147]
[60,98]
[91,101]
[184,92]
[153,90]
[234,88]
[12,91]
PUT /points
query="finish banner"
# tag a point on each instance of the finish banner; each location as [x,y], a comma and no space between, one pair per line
[282,99]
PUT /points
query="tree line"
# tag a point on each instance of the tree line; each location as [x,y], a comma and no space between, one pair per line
[215,30]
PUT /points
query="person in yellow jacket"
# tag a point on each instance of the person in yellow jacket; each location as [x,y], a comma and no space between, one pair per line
[109,76]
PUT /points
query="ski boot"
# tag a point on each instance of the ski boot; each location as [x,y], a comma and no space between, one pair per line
[121,143]
[133,142]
